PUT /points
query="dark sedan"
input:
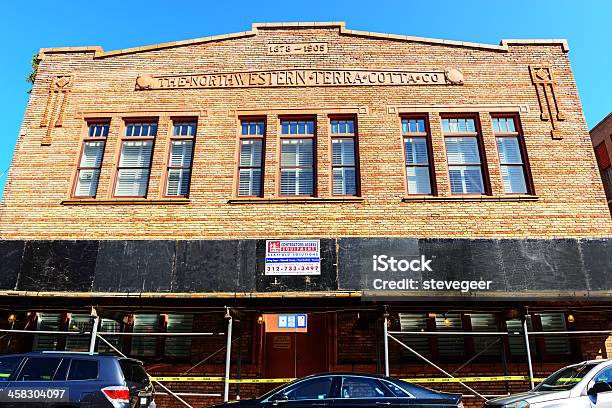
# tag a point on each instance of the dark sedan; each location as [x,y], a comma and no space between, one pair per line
[349,390]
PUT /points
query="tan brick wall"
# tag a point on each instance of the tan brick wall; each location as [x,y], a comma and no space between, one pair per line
[571,200]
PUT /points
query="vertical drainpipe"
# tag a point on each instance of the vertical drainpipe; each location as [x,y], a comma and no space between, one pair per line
[228,354]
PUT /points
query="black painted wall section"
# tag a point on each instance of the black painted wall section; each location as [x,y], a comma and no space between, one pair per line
[559,266]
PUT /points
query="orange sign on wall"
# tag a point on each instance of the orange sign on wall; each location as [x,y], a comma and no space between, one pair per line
[271,322]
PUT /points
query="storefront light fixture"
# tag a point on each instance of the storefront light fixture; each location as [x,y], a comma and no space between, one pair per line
[12,318]
[571,318]
[260,319]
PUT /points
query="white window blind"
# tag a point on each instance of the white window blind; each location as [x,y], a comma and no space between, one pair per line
[179,168]
[250,167]
[517,342]
[343,166]
[555,344]
[297,172]
[89,169]
[134,169]
[417,165]
[47,322]
[464,165]
[145,346]
[450,345]
[411,322]
[79,322]
[485,322]
[109,325]
[512,167]
[179,347]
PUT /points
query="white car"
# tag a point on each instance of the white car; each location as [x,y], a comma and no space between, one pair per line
[584,385]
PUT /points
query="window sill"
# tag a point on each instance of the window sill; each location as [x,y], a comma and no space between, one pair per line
[471,198]
[297,200]
[127,201]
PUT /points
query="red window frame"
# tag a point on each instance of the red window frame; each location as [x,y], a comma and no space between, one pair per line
[299,136]
[124,139]
[427,136]
[86,139]
[180,138]
[242,137]
[344,136]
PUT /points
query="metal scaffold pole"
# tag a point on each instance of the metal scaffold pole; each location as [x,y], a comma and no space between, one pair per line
[386,341]
[94,331]
[228,354]
[528,349]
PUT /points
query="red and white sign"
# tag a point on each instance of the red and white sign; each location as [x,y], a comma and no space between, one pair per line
[293,257]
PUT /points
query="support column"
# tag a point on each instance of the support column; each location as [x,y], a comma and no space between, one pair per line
[528,349]
[386,341]
[228,355]
[94,334]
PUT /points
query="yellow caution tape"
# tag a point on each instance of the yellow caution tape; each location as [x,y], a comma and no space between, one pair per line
[260,380]
[286,380]
[189,379]
[468,379]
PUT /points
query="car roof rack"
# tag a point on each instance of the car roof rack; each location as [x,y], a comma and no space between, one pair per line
[86,353]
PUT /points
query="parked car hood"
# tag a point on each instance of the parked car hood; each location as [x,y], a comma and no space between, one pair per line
[531,396]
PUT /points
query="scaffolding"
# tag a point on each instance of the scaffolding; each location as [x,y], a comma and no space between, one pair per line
[95,335]
[525,334]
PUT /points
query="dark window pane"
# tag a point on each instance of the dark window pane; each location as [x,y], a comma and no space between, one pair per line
[39,369]
[397,390]
[8,366]
[317,388]
[360,387]
[133,372]
[62,371]
[145,346]
[83,370]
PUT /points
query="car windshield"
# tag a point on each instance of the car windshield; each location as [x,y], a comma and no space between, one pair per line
[565,379]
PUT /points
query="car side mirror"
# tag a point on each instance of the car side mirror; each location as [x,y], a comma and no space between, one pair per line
[599,387]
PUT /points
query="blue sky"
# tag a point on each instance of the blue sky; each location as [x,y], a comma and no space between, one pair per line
[119,24]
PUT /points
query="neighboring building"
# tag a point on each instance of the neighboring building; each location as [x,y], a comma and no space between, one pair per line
[155,183]
[601,136]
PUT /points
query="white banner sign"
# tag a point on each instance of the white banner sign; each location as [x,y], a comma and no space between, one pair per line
[293,257]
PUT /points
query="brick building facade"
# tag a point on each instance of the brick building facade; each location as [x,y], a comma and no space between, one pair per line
[147,181]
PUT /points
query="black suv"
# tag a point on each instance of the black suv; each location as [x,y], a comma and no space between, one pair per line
[70,380]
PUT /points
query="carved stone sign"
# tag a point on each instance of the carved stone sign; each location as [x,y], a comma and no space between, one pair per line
[300,77]
[297,48]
